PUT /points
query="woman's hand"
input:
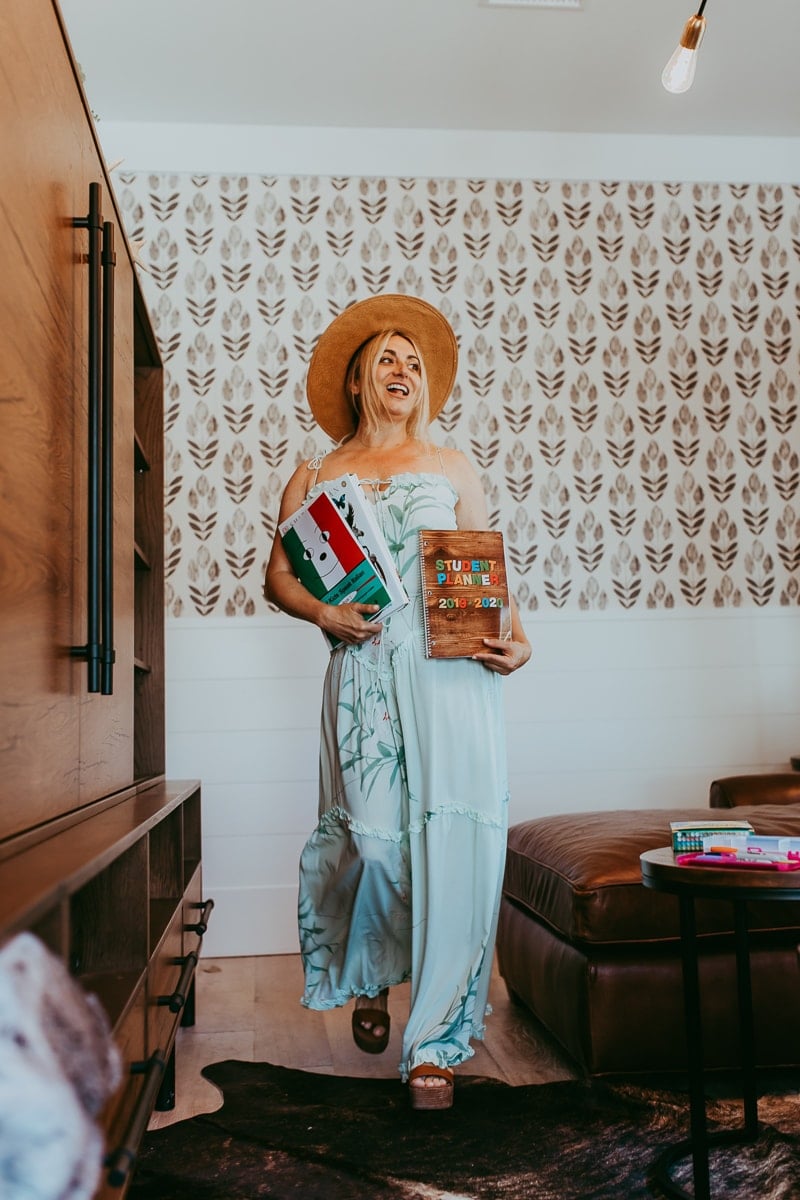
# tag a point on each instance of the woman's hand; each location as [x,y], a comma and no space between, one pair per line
[349,622]
[500,656]
[503,657]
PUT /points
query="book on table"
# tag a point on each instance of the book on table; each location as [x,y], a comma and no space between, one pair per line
[689,835]
[465,592]
[338,552]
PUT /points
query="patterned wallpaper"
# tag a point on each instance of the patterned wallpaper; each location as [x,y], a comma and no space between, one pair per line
[627,385]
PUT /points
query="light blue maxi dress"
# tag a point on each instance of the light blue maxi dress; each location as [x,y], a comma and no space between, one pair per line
[401,877]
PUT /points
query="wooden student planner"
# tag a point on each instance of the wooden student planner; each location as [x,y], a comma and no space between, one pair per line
[464,590]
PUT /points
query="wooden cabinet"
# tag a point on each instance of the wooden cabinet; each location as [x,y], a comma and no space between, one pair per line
[148,552]
[117,896]
[99,855]
[50,159]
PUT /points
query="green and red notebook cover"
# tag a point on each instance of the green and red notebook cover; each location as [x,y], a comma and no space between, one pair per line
[338,552]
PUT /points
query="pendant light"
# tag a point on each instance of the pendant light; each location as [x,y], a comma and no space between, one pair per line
[678,74]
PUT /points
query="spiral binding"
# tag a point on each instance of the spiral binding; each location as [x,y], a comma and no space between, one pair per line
[425,594]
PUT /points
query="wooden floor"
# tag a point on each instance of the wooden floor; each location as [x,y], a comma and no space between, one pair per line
[249,1009]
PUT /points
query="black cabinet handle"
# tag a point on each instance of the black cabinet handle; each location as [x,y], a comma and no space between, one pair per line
[201,926]
[107,453]
[176,1001]
[120,1161]
[92,651]
[99,649]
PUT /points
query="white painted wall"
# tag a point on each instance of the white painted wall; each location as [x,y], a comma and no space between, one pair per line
[460,153]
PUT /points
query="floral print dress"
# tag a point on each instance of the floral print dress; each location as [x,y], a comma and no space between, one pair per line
[401,877]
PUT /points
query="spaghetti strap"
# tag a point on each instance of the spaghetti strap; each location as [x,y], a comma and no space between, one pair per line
[441,464]
[314,465]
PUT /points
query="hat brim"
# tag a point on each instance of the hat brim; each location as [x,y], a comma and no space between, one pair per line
[429,328]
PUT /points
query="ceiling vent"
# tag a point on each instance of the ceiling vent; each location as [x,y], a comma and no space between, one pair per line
[532,3]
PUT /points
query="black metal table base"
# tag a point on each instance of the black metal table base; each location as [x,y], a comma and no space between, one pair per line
[662,1171]
[699,1141]
[661,872]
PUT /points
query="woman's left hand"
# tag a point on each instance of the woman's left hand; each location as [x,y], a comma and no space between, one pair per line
[502,656]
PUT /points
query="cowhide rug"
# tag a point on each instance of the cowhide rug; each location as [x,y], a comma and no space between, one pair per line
[293,1134]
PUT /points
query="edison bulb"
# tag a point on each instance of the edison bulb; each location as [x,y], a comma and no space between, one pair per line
[678,74]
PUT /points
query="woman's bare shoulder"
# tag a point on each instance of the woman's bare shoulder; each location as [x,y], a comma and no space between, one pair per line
[457,465]
[308,472]
[329,465]
[324,465]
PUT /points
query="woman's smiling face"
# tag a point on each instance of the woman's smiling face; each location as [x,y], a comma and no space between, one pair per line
[387,386]
[398,376]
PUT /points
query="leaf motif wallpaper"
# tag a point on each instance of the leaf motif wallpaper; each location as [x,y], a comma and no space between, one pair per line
[627,386]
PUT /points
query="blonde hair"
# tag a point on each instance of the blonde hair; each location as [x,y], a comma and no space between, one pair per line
[366,403]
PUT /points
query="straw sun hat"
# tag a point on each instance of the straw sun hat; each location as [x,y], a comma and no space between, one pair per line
[428,328]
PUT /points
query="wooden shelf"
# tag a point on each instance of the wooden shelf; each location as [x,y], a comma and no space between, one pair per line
[110,892]
[149,746]
[140,459]
[116,991]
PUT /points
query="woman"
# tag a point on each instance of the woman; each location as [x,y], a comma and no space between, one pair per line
[401,878]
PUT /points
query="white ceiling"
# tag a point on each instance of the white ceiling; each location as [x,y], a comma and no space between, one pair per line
[439,64]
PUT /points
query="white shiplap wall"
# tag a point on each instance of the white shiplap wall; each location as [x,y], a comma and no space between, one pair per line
[614,711]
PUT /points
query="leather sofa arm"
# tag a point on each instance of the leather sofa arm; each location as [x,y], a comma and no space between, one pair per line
[783,788]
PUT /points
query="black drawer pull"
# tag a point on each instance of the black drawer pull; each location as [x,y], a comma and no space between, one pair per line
[202,925]
[107,654]
[120,1162]
[98,652]
[176,1001]
[92,652]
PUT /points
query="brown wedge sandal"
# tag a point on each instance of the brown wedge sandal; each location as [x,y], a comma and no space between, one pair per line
[363,1023]
[431,1097]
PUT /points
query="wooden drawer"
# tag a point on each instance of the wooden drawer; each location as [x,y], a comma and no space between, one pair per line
[193,914]
[163,976]
[130,1037]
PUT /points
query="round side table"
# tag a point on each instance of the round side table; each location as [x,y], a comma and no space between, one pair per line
[661,872]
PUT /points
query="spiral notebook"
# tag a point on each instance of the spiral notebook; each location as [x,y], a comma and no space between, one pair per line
[338,552]
[464,590]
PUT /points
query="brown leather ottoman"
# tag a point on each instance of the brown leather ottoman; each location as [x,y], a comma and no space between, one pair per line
[596,956]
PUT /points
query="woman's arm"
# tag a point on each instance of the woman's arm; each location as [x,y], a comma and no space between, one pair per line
[500,656]
[347,622]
